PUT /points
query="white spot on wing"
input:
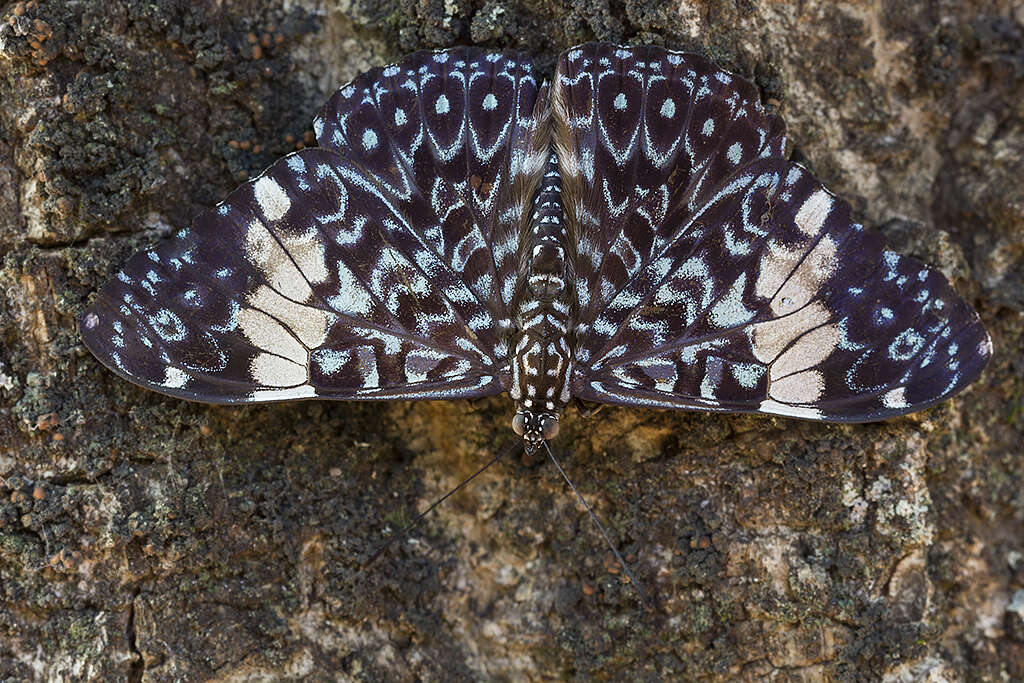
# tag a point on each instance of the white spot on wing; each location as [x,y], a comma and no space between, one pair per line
[735,153]
[776,408]
[369,139]
[175,378]
[419,362]
[747,374]
[304,391]
[352,297]
[895,398]
[730,311]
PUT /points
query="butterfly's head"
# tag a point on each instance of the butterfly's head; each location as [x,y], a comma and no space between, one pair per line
[535,427]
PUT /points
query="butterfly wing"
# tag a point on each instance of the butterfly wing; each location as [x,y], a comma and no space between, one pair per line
[449,134]
[366,269]
[644,133]
[730,279]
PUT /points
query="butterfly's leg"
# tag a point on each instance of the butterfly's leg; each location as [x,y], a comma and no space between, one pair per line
[476,404]
[587,409]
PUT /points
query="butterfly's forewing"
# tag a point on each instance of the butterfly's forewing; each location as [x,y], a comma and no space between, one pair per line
[745,286]
[358,272]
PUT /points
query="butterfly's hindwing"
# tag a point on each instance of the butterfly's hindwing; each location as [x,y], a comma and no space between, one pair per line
[818,321]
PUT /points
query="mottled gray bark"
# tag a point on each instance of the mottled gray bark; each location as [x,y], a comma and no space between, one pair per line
[144,538]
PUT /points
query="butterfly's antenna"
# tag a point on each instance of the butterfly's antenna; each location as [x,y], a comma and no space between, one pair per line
[406,530]
[622,562]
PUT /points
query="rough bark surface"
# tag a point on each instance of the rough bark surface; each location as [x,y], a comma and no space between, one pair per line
[148,539]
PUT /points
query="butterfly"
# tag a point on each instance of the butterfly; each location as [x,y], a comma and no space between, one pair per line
[630,232]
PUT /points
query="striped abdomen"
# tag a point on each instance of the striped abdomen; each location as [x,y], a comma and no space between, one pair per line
[542,363]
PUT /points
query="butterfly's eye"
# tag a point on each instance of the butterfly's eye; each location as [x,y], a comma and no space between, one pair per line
[549,426]
[519,424]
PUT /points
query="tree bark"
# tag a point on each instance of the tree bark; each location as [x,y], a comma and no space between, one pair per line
[144,538]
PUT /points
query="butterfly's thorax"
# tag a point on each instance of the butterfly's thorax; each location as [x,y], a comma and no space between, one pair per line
[543,360]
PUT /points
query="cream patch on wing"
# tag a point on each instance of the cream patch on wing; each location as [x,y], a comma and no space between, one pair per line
[806,352]
[274,371]
[806,280]
[307,250]
[802,387]
[273,200]
[267,255]
[770,338]
[309,324]
[269,335]
[777,262]
[289,394]
[813,212]
[789,278]
[799,343]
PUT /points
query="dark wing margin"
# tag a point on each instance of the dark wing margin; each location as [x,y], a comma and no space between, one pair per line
[364,271]
[746,287]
